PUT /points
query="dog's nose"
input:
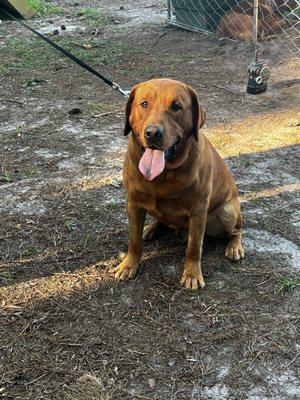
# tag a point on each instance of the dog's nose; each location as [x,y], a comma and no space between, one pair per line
[154,133]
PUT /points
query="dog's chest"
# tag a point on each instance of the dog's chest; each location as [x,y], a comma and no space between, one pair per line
[168,210]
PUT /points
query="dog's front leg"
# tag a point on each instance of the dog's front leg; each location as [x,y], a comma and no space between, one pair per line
[192,275]
[128,267]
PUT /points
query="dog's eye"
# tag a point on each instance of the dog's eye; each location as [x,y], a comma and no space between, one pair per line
[175,106]
[144,104]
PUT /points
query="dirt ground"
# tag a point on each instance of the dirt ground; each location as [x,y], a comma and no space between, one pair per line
[68,331]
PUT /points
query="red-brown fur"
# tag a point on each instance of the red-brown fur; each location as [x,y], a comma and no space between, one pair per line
[195,191]
[238,23]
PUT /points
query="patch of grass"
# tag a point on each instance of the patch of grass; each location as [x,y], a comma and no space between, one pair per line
[18,128]
[93,18]
[6,177]
[185,57]
[96,108]
[147,71]
[30,172]
[288,284]
[29,251]
[32,54]
[70,225]
[6,276]
[101,54]
[147,24]
[32,81]
[2,70]
[43,7]
[99,22]
[112,205]
[98,54]
[89,12]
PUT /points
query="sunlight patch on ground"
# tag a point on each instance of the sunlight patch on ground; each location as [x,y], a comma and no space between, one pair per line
[61,283]
[89,183]
[256,134]
[270,192]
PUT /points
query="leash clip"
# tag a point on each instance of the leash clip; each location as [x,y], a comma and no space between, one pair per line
[125,93]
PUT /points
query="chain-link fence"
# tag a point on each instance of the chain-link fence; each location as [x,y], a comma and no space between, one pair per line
[247,20]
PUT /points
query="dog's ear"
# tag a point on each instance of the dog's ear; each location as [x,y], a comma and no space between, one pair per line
[202,116]
[198,113]
[127,127]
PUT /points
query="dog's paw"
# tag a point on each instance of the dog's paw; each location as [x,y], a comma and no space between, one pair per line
[154,230]
[192,282]
[192,276]
[124,271]
[182,235]
[150,231]
[234,251]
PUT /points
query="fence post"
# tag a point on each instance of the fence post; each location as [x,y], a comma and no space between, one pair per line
[255,20]
[169,10]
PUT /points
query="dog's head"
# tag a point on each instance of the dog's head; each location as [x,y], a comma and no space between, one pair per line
[163,114]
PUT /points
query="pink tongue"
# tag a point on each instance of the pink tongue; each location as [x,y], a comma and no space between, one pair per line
[152,163]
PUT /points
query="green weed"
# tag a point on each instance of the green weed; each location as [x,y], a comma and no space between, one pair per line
[6,177]
[6,276]
[112,205]
[30,172]
[43,7]
[29,251]
[18,128]
[34,55]
[287,283]
[96,108]
[89,12]
[147,24]
[30,54]
[32,81]
[70,225]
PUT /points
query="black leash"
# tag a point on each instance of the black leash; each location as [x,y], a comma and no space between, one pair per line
[71,56]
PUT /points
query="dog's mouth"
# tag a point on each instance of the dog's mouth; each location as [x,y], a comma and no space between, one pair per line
[170,153]
[152,162]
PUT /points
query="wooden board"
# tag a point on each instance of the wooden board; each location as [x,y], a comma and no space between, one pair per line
[21,6]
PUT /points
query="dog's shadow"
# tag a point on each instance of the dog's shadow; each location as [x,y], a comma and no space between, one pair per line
[164,255]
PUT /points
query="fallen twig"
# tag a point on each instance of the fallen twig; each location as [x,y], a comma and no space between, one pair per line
[225,88]
[103,114]
[12,101]
[294,359]
[158,37]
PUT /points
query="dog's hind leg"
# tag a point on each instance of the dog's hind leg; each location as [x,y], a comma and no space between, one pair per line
[153,230]
[231,219]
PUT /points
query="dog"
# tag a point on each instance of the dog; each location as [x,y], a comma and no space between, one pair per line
[172,172]
[239,22]
[238,26]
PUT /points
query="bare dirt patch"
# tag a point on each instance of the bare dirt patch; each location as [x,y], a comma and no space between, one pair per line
[67,330]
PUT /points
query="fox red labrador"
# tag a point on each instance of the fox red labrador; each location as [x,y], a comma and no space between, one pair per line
[172,172]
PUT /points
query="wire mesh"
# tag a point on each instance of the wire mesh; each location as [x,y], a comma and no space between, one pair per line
[247,20]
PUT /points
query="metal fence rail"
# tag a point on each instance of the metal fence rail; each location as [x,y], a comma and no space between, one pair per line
[248,20]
